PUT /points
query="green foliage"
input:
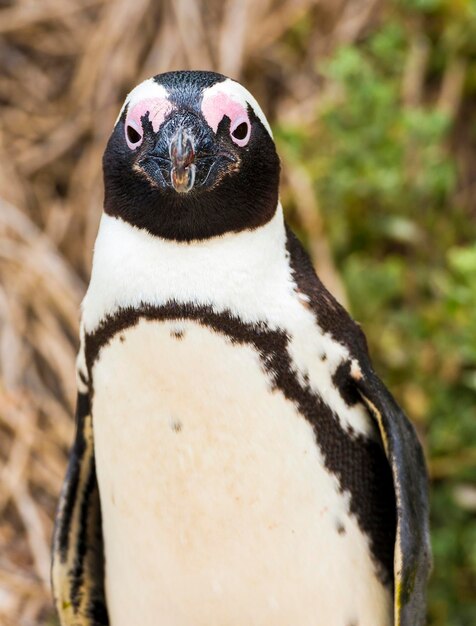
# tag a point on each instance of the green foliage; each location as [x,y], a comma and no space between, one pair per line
[386,179]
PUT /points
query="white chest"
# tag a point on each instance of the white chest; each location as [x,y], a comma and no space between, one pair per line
[217,507]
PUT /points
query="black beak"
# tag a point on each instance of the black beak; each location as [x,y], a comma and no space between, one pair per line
[182,157]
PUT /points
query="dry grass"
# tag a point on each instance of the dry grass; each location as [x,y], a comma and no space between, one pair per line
[66,67]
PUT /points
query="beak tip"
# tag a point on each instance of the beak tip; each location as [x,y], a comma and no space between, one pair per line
[182,156]
[183,178]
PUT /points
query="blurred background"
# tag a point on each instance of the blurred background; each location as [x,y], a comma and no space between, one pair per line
[373,105]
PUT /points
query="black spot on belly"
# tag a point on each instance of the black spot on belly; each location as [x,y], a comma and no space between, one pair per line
[340,528]
[176,426]
[122,338]
[323,356]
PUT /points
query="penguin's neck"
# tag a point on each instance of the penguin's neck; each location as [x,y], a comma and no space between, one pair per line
[233,271]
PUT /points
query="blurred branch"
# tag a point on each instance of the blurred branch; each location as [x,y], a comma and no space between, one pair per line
[355,17]
[307,207]
[26,14]
[233,37]
[415,69]
[452,87]
[452,465]
[192,33]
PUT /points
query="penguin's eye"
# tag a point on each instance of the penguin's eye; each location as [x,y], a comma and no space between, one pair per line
[133,135]
[240,132]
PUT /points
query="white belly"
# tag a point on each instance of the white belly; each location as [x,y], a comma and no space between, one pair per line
[217,508]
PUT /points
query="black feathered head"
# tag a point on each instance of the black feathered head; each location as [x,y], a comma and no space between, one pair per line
[191,157]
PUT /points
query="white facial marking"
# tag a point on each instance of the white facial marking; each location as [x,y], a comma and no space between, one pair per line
[147,90]
[217,105]
[219,97]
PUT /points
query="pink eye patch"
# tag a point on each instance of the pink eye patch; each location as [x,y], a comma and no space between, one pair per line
[157,108]
[217,105]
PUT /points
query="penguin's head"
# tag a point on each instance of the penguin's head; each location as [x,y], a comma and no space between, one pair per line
[191,157]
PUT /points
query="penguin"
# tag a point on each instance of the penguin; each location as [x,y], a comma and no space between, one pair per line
[236,459]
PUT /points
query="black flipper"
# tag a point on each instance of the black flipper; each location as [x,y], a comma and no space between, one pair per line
[78,559]
[412,560]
